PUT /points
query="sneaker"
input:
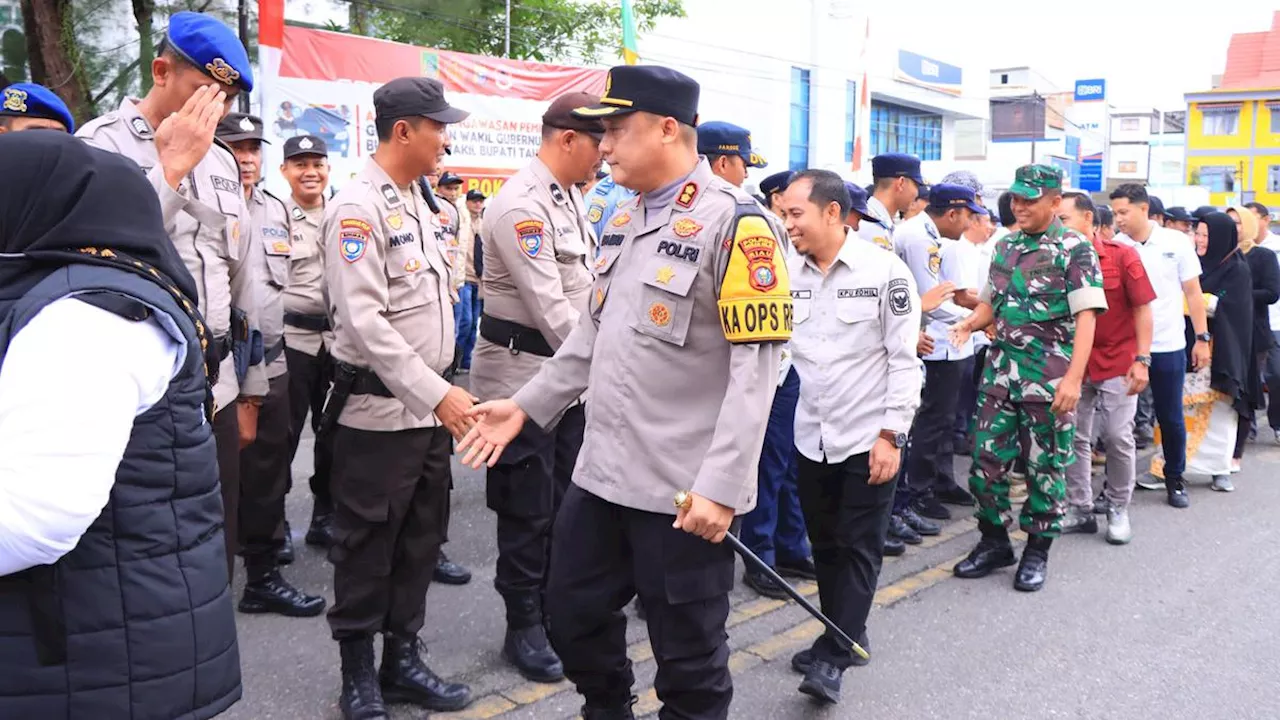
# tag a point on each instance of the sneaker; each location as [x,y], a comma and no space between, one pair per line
[1150,482]
[1101,504]
[1079,520]
[1177,490]
[1222,483]
[1118,530]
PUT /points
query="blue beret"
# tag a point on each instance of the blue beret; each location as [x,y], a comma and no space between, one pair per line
[722,138]
[891,165]
[38,101]
[211,46]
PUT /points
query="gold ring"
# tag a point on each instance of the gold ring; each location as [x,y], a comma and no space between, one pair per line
[684,500]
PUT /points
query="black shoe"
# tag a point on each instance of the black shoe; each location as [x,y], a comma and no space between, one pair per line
[361,697]
[1032,570]
[900,530]
[531,654]
[930,507]
[802,569]
[1101,504]
[894,548]
[990,554]
[919,524]
[801,661]
[274,594]
[822,682]
[955,495]
[450,573]
[320,533]
[284,556]
[1177,490]
[764,585]
[1079,520]
[406,679]
[609,712]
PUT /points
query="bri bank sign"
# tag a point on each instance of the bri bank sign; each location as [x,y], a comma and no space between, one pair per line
[1087,90]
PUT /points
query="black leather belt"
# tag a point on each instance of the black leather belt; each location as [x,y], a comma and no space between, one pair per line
[366,381]
[314,323]
[515,337]
[272,353]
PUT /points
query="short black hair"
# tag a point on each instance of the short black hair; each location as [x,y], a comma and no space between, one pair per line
[384,125]
[1133,192]
[881,183]
[1260,209]
[1005,204]
[826,188]
[1103,217]
[1082,202]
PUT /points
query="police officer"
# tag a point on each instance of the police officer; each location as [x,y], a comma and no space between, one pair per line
[264,465]
[27,106]
[199,68]
[391,298]
[896,183]
[308,335]
[603,201]
[772,188]
[727,148]
[537,278]
[681,343]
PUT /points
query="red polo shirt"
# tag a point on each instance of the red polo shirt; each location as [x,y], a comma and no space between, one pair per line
[1125,281]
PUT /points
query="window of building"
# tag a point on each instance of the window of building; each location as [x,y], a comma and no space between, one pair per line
[799,157]
[1129,125]
[1004,78]
[1220,121]
[850,118]
[1273,177]
[896,129]
[1275,119]
[1218,178]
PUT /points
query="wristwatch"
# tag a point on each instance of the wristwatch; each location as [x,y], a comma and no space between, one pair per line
[1204,337]
[896,439]
[1144,359]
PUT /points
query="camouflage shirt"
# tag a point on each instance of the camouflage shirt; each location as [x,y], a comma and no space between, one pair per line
[1038,284]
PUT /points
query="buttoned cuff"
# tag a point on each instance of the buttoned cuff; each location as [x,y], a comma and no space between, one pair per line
[1087,298]
[724,489]
[425,390]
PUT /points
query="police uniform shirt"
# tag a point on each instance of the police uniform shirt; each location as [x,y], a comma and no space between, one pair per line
[208,221]
[536,273]
[854,347]
[922,248]
[602,203]
[878,232]
[270,256]
[447,223]
[305,292]
[678,353]
[392,303]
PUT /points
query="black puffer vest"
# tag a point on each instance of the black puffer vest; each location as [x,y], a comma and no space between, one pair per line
[136,622]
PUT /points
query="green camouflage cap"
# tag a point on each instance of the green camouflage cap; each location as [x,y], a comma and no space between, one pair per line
[1031,181]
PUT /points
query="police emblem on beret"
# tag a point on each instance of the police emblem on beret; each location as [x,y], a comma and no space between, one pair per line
[305,143]
[222,72]
[15,100]
[246,124]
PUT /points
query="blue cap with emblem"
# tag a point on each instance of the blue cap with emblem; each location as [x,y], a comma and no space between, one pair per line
[722,138]
[211,46]
[35,101]
[776,182]
[944,196]
[858,200]
[892,165]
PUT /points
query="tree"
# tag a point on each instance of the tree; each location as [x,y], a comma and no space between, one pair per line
[54,53]
[144,12]
[544,30]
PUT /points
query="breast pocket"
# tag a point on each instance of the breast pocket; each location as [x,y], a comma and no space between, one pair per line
[1046,305]
[304,263]
[278,253]
[801,305]
[410,283]
[860,324]
[666,305]
[232,235]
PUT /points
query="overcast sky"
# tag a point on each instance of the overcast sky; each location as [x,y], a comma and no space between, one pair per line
[1149,53]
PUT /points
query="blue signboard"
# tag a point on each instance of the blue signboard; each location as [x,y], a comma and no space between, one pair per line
[927,72]
[1087,90]
[1090,178]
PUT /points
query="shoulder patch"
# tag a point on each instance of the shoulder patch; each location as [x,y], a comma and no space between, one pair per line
[139,127]
[529,237]
[755,293]
[595,214]
[389,195]
[687,195]
[354,235]
[900,300]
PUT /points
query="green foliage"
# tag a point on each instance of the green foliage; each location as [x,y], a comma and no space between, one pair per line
[13,55]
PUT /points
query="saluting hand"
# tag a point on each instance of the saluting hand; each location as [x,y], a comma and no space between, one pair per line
[705,518]
[184,138]
[497,423]
[452,411]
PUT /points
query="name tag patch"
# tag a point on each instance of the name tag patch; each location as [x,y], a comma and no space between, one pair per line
[802,294]
[612,239]
[868,292]
[401,239]
[679,250]
[225,185]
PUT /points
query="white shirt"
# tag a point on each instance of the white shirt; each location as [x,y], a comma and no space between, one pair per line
[1170,259]
[73,380]
[879,233]
[854,347]
[1272,243]
[974,263]
[922,248]
[1001,232]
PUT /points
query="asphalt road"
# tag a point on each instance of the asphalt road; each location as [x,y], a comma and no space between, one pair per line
[1181,623]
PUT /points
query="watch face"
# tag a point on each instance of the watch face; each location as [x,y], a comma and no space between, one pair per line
[900,440]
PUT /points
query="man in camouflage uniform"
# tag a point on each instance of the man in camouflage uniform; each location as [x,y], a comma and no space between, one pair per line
[1043,292]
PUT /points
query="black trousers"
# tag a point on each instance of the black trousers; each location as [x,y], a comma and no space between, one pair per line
[309,378]
[525,490]
[390,517]
[264,480]
[604,554]
[226,435]
[932,439]
[847,520]
[967,403]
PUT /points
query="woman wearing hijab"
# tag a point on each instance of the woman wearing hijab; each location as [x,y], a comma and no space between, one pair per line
[1217,397]
[1265,271]
[114,600]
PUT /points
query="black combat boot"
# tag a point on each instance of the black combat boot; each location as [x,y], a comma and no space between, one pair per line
[993,551]
[361,698]
[320,533]
[269,592]
[1035,564]
[406,679]
[284,555]
[609,711]
[526,646]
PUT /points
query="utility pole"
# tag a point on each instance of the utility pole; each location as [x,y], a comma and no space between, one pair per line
[506,42]
[243,12]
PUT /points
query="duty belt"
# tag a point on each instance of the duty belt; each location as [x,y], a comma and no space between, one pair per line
[272,353]
[515,337]
[348,380]
[314,323]
[363,380]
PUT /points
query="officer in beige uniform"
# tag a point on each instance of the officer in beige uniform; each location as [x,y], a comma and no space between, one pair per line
[264,465]
[199,68]
[390,294]
[536,283]
[678,355]
[307,332]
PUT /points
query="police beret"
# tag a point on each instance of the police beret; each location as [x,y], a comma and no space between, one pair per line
[722,138]
[211,46]
[415,96]
[891,165]
[647,88]
[36,101]
[305,145]
[237,126]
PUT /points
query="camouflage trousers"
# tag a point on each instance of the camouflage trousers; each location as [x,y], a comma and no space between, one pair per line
[1006,429]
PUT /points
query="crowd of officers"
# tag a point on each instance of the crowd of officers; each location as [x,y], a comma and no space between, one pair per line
[665,334]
